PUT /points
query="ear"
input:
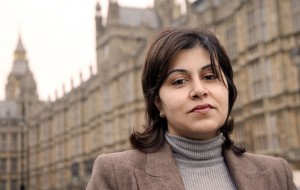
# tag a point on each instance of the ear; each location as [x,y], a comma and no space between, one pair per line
[158,103]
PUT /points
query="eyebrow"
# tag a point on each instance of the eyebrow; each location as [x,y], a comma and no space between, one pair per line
[206,67]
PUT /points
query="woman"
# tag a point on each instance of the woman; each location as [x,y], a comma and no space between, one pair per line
[189,93]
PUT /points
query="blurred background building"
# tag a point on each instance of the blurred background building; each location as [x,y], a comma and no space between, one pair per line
[52,145]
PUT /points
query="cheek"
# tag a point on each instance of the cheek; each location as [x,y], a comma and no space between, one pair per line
[169,102]
[223,97]
[226,101]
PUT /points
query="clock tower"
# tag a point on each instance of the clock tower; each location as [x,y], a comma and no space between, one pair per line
[21,86]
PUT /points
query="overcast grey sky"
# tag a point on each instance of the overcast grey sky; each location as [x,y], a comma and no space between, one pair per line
[59,36]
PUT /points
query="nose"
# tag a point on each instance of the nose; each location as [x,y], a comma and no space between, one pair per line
[198,90]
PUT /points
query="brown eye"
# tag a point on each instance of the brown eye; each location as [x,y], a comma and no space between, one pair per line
[210,77]
[179,81]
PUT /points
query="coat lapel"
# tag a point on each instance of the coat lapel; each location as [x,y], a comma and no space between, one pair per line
[162,164]
[246,175]
[162,171]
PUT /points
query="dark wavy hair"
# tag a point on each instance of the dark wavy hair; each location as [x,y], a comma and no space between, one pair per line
[162,51]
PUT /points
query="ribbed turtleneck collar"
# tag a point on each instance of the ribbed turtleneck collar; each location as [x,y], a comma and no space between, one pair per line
[201,163]
[195,150]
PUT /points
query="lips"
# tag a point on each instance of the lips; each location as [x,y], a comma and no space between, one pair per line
[202,108]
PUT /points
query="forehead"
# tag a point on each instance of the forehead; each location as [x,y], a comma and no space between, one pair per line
[196,56]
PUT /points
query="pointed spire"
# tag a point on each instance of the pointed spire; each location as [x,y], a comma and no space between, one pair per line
[64,89]
[56,94]
[20,52]
[98,17]
[98,7]
[20,47]
[72,83]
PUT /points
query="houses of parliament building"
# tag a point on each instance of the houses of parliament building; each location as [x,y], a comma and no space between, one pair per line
[52,145]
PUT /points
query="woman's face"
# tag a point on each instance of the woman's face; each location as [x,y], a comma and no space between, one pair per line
[193,100]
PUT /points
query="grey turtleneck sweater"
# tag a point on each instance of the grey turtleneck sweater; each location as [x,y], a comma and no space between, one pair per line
[201,163]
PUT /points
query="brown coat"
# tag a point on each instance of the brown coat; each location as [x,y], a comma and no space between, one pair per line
[132,170]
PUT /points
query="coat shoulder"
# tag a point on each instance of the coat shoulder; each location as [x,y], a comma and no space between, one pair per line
[116,170]
[128,159]
[256,162]
[259,157]
[266,171]
[264,161]
[259,162]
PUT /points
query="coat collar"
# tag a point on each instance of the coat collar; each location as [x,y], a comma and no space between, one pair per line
[245,174]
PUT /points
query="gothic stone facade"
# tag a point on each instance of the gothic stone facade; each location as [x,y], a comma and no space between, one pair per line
[66,135]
